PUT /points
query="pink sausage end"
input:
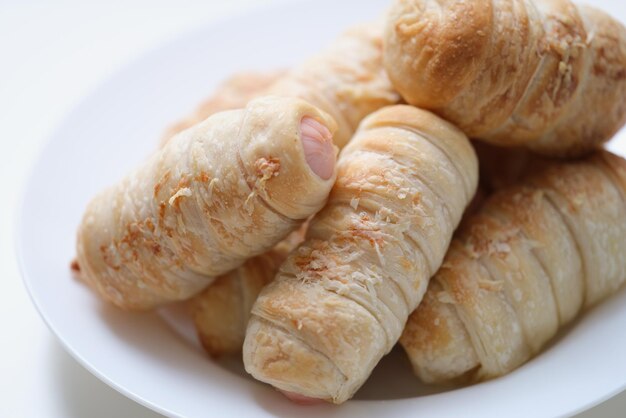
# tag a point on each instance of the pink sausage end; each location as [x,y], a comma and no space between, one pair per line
[317,142]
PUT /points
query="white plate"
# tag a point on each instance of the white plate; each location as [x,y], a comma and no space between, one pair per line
[155,361]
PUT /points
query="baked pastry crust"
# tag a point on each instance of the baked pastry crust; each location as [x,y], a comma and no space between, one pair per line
[215,195]
[526,264]
[340,300]
[221,312]
[347,80]
[547,75]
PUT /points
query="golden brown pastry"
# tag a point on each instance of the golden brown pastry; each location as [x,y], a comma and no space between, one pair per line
[221,312]
[533,257]
[547,75]
[341,299]
[217,194]
[347,80]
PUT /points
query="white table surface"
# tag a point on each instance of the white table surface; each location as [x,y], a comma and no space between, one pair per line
[51,55]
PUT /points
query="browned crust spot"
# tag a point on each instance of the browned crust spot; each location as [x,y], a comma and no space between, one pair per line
[202,177]
[162,180]
[267,167]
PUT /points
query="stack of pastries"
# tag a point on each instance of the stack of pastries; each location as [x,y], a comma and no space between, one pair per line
[314,217]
